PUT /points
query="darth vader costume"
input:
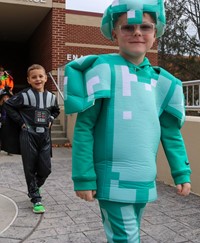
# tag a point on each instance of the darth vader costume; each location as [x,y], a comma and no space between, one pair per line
[33,111]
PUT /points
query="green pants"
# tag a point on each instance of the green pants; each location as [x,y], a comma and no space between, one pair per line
[121,221]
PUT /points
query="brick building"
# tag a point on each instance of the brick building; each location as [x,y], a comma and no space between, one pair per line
[44,32]
[32,31]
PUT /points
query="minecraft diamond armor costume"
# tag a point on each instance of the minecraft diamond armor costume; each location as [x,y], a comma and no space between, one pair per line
[135,98]
[125,110]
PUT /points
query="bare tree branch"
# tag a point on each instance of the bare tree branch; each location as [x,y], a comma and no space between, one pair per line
[180,45]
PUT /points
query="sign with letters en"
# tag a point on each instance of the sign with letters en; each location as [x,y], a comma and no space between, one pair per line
[71,57]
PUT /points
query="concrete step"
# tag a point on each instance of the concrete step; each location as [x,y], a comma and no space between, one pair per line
[56,122]
[56,127]
[57,134]
[60,141]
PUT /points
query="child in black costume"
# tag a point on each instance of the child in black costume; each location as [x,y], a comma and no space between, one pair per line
[5,94]
[34,109]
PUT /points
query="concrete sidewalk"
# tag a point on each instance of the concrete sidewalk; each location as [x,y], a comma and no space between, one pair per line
[68,219]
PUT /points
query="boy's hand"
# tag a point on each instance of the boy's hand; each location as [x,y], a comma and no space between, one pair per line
[23,126]
[183,189]
[86,195]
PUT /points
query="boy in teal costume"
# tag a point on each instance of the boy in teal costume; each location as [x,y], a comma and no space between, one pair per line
[125,107]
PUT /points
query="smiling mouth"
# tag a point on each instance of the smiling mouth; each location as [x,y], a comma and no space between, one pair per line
[137,42]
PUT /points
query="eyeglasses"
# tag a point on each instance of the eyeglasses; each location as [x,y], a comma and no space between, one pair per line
[129,29]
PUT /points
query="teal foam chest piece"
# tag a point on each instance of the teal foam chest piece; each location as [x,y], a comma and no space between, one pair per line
[127,132]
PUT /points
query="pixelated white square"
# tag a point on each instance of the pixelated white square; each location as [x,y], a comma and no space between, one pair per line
[91,83]
[148,87]
[131,14]
[115,3]
[153,82]
[127,115]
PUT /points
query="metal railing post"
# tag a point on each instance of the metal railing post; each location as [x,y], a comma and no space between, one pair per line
[57,87]
[192,97]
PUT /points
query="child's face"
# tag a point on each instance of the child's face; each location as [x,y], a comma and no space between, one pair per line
[37,79]
[1,73]
[3,99]
[135,45]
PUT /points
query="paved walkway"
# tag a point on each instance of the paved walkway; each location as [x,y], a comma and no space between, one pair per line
[68,219]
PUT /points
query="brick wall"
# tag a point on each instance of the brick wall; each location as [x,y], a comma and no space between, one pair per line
[58,40]
[153,57]
[58,37]
[86,34]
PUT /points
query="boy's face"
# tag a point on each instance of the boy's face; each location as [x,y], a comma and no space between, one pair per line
[37,79]
[3,99]
[136,41]
[1,73]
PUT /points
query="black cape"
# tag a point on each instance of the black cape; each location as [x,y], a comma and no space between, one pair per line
[10,136]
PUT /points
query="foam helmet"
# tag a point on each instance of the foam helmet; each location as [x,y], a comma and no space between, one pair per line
[134,10]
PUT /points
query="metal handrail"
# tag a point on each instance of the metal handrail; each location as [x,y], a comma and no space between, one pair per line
[192,94]
[59,87]
[187,83]
[59,91]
